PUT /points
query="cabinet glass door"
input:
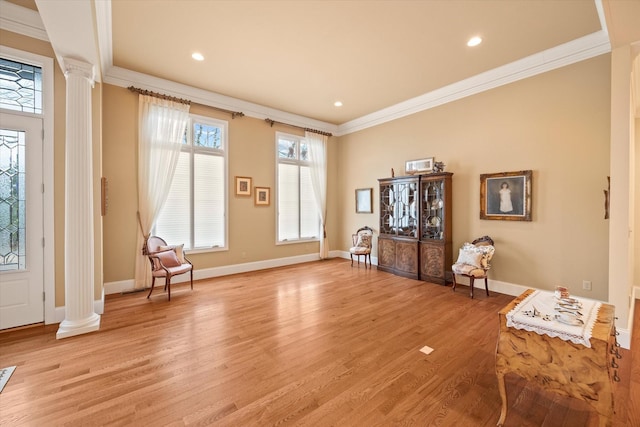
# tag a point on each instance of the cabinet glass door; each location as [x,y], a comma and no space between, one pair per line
[387,209]
[407,209]
[433,210]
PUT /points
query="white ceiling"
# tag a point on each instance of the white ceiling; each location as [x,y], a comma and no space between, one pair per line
[293,59]
[301,56]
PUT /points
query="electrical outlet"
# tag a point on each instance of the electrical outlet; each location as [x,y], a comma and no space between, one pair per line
[586,285]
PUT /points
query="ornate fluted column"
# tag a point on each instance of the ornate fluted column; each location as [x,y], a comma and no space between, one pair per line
[80,316]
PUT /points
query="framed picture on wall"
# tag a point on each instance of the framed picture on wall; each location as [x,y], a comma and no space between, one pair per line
[506,196]
[262,196]
[418,166]
[364,200]
[243,186]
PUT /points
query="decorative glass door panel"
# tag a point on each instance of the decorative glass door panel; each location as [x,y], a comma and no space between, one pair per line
[433,210]
[407,209]
[387,209]
[12,200]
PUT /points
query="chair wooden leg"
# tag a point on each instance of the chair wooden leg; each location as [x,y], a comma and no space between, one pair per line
[351,259]
[168,285]
[453,288]
[191,278]
[486,285]
[471,280]
[153,282]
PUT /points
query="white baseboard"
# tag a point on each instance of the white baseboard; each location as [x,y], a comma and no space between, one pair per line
[226,270]
[347,255]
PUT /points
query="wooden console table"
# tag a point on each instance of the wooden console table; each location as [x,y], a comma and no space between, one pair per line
[561,366]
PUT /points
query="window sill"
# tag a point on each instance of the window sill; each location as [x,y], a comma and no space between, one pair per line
[293,242]
[205,250]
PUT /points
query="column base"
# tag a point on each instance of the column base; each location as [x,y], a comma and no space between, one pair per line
[69,328]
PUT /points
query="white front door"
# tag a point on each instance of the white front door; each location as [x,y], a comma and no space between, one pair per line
[21,221]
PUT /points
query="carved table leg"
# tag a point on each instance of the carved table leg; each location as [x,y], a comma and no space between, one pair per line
[503,394]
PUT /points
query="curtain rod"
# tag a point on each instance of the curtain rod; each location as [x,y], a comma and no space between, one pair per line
[234,114]
[272,122]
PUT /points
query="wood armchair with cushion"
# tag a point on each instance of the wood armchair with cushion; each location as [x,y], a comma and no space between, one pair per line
[474,261]
[362,242]
[166,261]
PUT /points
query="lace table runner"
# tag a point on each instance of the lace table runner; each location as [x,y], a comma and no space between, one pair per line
[544,302]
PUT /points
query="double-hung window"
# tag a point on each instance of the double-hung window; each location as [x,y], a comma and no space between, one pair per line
[195,210]
[297,214]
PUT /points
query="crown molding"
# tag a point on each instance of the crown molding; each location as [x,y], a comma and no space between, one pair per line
[28,22]
[568,53]
[22,20]
[124,78]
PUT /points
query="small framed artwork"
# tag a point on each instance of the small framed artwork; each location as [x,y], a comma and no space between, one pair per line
[364,200]
[262,196]
[243,186]
[418,166]
[506,196]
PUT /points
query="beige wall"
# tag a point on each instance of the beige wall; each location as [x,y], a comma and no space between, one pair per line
[39,47]
[251,153]
[556,124]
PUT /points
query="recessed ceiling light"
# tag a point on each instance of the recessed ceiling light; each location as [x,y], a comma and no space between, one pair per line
[197,56]
[474,41]
[338,104]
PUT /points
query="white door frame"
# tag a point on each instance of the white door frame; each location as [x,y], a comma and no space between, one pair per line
[47,65]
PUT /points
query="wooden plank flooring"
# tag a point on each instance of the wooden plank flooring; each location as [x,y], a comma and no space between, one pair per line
[317,344]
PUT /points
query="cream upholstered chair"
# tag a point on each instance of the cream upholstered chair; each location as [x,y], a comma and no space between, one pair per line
[474,261]
[166,261]
[362,241]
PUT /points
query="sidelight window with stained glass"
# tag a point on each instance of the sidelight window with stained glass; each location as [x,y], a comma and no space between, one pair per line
[12,200]
[20,87]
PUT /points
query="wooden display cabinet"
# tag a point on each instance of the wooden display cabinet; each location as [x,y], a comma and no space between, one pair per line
[415,226]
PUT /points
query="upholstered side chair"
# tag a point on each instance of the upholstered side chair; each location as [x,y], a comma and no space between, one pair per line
[474,261]
[166,261]
[362,242]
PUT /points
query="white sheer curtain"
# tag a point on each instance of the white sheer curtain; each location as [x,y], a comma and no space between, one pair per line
[317,145]
[161,127]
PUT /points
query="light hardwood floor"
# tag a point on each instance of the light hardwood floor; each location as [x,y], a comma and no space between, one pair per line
[317,344]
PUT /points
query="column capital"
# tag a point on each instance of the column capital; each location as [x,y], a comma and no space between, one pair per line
[79,68]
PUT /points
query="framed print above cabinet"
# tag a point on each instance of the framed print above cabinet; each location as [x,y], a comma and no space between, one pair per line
[412,167]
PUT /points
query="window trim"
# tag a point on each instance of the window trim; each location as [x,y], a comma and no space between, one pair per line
[298,163]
